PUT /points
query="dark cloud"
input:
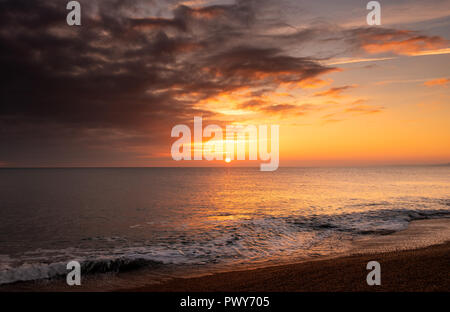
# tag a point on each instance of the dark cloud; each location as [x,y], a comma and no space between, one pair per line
[119,82]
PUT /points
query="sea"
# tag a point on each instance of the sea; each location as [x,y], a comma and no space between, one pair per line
[160,223]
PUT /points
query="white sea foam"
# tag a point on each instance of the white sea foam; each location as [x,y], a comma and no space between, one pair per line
[242,241]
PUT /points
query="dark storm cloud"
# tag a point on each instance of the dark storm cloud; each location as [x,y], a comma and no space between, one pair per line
[122,80]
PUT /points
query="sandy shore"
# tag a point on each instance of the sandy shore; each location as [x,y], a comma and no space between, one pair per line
[424,269]
[416,259]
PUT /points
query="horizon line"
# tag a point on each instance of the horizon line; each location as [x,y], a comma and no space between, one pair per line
[227,167]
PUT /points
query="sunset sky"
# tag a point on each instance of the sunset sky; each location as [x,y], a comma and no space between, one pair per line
[108,93]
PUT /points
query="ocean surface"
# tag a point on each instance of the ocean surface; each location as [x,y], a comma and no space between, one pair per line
[171,220]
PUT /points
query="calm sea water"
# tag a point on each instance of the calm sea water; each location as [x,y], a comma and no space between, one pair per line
[120,219]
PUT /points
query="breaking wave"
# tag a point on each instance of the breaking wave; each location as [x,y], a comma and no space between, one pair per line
[244,240]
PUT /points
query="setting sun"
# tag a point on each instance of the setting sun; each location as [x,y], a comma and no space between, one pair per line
[228,160]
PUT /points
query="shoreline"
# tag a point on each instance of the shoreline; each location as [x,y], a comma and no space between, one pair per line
[414,259]
[424,269]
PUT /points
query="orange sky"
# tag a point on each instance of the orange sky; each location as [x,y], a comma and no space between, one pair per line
[343,93]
